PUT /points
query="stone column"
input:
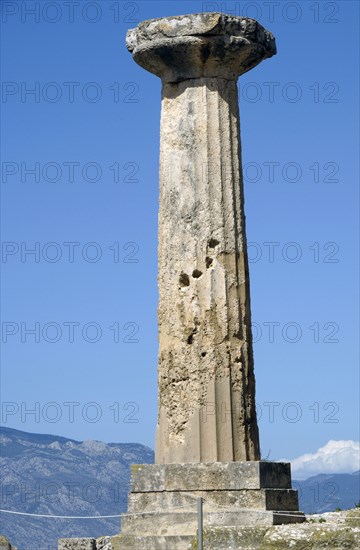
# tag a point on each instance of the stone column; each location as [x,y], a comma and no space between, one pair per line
[206,368]
[207,435]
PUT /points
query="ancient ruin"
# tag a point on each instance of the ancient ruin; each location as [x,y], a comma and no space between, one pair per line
[207,441]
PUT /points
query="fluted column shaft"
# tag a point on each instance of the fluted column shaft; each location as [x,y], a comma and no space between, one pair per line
[206,378]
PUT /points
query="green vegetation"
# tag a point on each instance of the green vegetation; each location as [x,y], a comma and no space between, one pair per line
[136,468]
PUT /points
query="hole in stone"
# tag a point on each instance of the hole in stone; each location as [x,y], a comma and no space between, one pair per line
[184,279]
[203,354]
[237,360]
[190,338]
[205,52]
[196,273]
[208,262]
[213,243]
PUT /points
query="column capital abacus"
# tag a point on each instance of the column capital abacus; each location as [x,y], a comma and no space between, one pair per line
[200,45]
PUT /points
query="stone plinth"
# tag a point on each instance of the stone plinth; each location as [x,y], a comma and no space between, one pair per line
[163,500]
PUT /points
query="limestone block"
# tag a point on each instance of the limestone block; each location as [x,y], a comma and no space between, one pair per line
[213,476]
[178,523]
[77,544]
[261,499]
[128,542]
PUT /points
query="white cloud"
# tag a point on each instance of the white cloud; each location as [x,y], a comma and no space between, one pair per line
[336,457]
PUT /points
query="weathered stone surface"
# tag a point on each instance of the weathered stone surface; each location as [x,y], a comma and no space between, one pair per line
[206,379]
[262,499]
[77,544]
[163,500]
[200,45]
[179,523]
[5,544]
[335,531]
[128,542]
[214,476]
[101,543]
[330,530]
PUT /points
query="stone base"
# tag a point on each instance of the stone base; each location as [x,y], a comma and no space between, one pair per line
[162,508]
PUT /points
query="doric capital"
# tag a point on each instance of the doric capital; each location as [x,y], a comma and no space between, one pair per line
[200,45]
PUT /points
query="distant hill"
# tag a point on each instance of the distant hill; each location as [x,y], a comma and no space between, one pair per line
[48,474]
[52,475]
[326,492]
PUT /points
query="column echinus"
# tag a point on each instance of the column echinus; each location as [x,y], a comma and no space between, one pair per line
[206,369]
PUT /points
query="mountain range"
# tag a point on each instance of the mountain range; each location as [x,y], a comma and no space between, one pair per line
[52,475]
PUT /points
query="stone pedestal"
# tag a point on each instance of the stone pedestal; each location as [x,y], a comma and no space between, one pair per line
[162,509]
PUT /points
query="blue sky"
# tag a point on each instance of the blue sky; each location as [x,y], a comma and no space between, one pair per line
[89,132]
